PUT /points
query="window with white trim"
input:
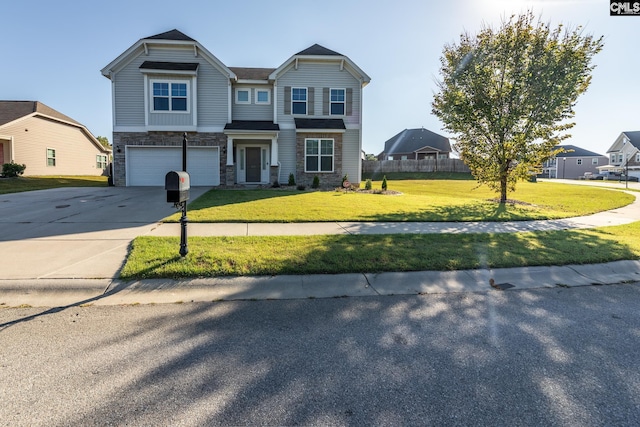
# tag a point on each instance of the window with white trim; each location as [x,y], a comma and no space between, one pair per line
[298,100]
[243,96]
[638,157]
[318,155]
[170,95]
[337,100]
[51,157]
[594,161]
[263,96]
[101,161]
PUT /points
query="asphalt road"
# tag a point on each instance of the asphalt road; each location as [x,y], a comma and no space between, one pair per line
[552,357]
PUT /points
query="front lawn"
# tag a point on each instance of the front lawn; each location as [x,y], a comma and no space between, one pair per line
[30,183]
[420,200]
[157,257]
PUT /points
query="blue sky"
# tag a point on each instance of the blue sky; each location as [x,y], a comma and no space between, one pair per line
[53,51]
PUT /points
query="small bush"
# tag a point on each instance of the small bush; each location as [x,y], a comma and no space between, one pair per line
[12,169]
[345,179]
[292,179]
[316,182]
[276,184]
[301,187]
[384,183]
[367,184]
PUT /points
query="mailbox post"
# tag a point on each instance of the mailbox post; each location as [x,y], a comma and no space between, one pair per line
[177,184]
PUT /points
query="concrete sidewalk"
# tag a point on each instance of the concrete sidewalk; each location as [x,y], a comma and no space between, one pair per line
[94,279]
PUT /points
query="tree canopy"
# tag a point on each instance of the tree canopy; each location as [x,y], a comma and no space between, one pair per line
[508,94]
[104,141]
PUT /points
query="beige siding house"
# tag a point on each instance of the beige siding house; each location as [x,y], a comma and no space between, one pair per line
[48,142]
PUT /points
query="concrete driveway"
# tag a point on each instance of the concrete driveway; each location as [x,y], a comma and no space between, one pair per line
[76,232]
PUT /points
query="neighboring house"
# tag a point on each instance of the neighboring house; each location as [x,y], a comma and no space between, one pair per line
[416,144]
[624,154]
[48,142]
[243,125]
[572,163]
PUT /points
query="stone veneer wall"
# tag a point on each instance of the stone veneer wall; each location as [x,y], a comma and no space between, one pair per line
[168,139]
[326,179]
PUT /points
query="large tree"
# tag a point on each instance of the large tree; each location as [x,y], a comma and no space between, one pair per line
[507,95]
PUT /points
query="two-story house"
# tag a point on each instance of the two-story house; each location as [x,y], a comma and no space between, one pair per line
[624,154]
[243,125]
[572,163]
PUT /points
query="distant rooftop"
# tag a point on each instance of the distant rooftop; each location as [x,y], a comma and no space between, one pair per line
[13,110]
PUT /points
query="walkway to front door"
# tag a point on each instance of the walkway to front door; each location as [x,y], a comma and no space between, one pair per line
[253,164]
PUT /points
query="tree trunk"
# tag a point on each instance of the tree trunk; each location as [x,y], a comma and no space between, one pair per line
[503,189]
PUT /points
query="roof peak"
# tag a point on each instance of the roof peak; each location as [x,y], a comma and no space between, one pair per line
[171,35]
[317,49]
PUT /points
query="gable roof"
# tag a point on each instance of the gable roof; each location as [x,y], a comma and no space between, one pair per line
[10,111]
[316,49]
[316,52]
[14,110]
[411,140]
[171,35]
[574,151]
[634,138]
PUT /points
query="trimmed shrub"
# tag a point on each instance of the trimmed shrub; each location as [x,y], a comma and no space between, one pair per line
[12,169]
[292,179]
[367,184]
[384,183]
[276,184]
[302,187]
[316,182]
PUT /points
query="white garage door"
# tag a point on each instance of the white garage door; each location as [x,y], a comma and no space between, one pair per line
[149,165]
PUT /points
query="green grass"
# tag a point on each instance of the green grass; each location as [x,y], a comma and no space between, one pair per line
[30,183]
[420,200]
[157,257]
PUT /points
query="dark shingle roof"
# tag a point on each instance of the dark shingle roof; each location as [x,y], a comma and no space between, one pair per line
[252,73]
[171,35]
[574,151]
[411,140]
[252,125]
[13,110]
[172,66]
[316,49]
[319,124]
[634,138]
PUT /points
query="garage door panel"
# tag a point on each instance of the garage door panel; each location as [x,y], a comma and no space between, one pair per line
[147,166]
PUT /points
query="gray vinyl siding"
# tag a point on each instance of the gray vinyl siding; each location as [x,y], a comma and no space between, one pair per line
[351,155]
[212,87]
[252,111]
[75,153]
[287,154]
[319,76]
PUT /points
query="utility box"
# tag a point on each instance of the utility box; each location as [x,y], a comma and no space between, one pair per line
[177,184]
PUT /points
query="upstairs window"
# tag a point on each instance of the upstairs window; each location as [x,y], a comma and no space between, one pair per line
[243,96]
[51,157]
[298,100]
[337,100]
[170,96]
[578,162]
[594,161]
[263,96]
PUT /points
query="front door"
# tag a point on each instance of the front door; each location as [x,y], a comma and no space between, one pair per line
[253,164]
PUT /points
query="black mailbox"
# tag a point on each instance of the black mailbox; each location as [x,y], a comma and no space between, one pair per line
[177,185]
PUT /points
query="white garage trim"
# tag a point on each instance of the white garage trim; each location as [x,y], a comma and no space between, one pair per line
[148,165]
